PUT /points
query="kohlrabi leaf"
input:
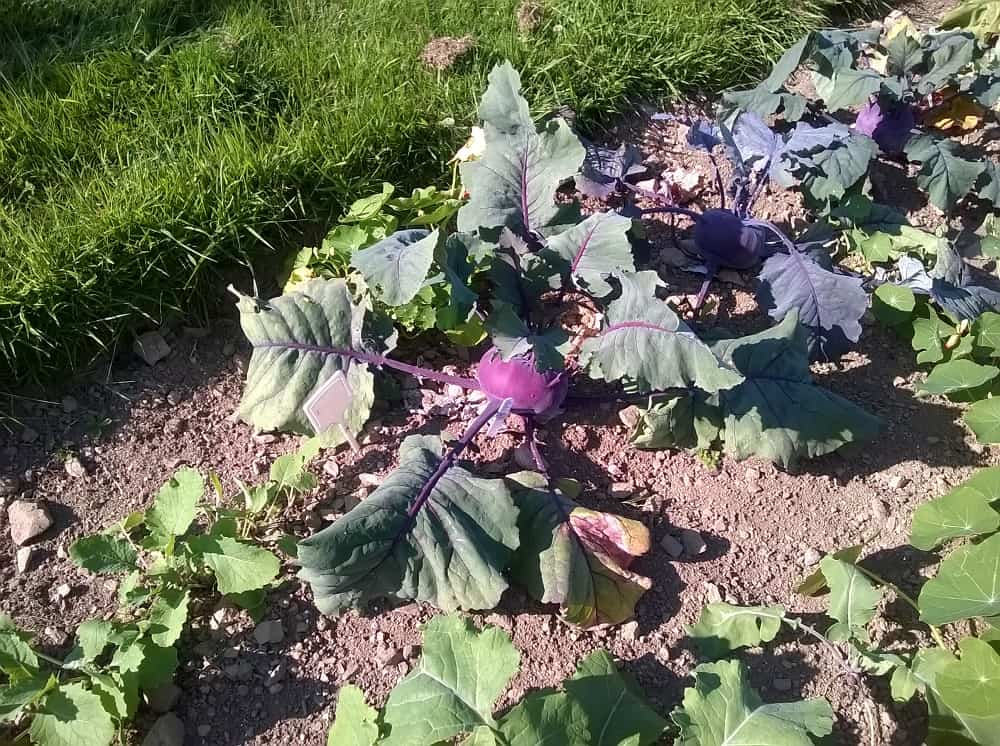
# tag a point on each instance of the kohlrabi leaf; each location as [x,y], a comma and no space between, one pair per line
[847,88]
[722,710]
[176,505]
[815,583]
[830,172]
[946,727]
[299,341]
[604,169]
[512,337]
[830,304]
[643,340]
[102,553]
[967,585]
[853,597]
[71,716]
[952,53]
[452,689]
[962,302]
[786,65]
[452,552]
[18,695]
[238,566]
[723,627]
[778,413]
[355,722]
[514,184]
[590,251]
[965,511]
[988,184]
[945,175]
[575,557]
[397,266]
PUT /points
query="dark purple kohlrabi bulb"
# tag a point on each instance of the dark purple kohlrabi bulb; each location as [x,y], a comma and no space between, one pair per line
[517,379]
[887,123]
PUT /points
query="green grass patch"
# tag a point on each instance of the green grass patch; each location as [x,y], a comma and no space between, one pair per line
[143,142]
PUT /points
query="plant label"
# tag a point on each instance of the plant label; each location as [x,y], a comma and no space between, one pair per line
[328,407]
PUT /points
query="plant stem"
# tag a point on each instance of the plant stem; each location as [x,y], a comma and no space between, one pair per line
[536,454]
[718,182]
[492,406]
[935,630]
[378,361]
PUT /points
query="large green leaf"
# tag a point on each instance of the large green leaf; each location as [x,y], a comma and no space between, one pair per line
[893,304]
[398,264]
[644,341]
[514,184]
[176,505]
[93,636]
[965,511]
[72,716]
[967,585]
[946,727]
[238,567]
[16,655]
[723,627]
[544,717]
[778,413]
[847,88]
[355,722]
[722,710]
[167,616]
[102,553]
[958,375]
[16,696]
[971,686]
[451,553]
[453,688]
[831,171]
[575,557]
[945,175]
[853,597]
[983,418]
[593,249]
[300,340]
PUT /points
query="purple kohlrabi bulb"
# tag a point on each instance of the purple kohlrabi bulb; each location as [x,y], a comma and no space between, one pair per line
[517,379]
[887,123]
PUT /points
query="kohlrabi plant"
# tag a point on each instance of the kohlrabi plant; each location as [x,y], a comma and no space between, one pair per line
[907,92]
[563,303]
[947,655]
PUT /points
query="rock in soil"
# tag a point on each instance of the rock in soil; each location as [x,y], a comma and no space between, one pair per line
[811,557]
[163,698]
[151,347]
[168,730]
[898,482]
[9,486]
[75,468]
[28,520]
[270,631]
[24,559]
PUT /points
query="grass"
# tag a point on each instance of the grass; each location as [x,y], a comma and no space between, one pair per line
[144,143]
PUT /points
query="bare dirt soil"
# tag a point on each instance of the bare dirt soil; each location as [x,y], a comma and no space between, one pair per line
[762,527]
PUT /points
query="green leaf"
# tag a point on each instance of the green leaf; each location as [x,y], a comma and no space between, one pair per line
[986,330]
[891,241]
[945,175]
[644,341]
[543,717]
[723,627]
[398,265]
[903,684]
[849,88]
[238,567]
[289,472]
[893,304]
[779,413]
[853,597]
[452,553]
[575,557]
[355,722]
[367,208]
[295,338]
[971,685]
[784,67]
[904,53]
[615,712]
[722,710]
[981,17]
[592,250]
[176,504]
[965,511]
[967,585]
[453,687]
[835,169]
[815,582]
[957,375]
[167,616]
[103,554]
[93,637]
[16,656]
[512,336]
[72,716]
[16,696]
[983,418]
[119,692]
[946,727]
[514,184]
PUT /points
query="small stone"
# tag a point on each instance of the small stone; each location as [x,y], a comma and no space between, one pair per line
[781,684]
[752,475]
[898,482]
[270,631]
[151,347]
[899,382]
[454,391]
[75,468]
[476,396]
[672,546]
[693,542]
[880,511]
[811,557]
[168,730]
[69,404]
[712,592]
[62,591]
[523,457]
[265,438]
[204,730]
[28,435]
[23,559]
[629,630]
[630,416]
[371,481]
[411,651]
[331,468]
[9,486]
[390,657]
[56,636]
[163,698]
[621,490]
[27,521]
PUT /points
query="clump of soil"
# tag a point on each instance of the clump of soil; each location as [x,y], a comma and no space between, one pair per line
[443,52]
